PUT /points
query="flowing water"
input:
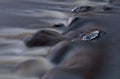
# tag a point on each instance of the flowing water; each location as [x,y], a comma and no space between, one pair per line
[19,18]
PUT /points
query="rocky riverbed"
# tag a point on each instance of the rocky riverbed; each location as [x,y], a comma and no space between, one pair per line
[59,39]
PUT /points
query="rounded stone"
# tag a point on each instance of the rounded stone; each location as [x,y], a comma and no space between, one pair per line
[43,38]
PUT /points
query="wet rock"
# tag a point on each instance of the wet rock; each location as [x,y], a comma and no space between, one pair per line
[107,8]
[57,52]
[71,20]
[59,25]
[43,38]
[81,9]
[75,23]
[77,57]
[91,35]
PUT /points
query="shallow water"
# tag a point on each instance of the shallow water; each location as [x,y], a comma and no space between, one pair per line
[19,18]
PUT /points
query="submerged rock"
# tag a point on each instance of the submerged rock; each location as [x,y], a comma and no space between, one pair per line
[76,58]
[33,67]
[43,38]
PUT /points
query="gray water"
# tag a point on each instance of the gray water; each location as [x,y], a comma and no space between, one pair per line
[19,18]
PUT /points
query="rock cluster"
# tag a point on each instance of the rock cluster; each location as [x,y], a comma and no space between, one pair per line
[80,51]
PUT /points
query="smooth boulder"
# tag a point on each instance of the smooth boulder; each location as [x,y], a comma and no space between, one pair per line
[43,38]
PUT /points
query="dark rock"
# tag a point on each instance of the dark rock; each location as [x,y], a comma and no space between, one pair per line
[106,8]
[76,23]
[57,52]
[43,38]
[78,57]
[59,25]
